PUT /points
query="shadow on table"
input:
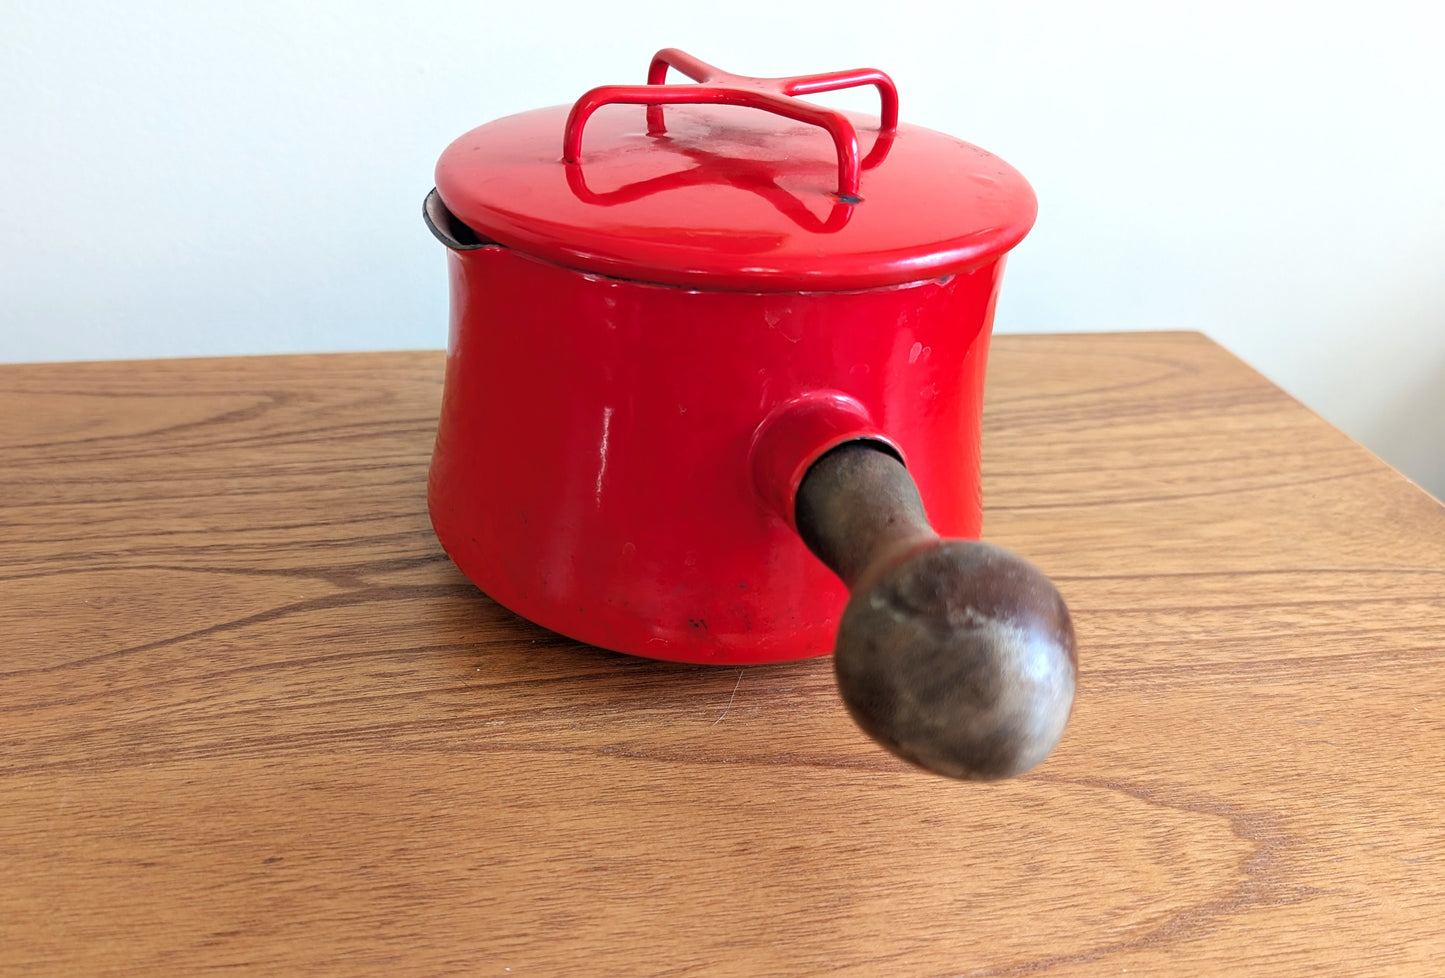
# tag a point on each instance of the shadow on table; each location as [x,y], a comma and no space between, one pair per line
[490,648]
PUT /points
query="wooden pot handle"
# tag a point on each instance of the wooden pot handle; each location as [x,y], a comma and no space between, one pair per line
[956,655]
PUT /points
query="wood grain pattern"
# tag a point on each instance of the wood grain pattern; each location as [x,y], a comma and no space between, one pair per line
[253,718]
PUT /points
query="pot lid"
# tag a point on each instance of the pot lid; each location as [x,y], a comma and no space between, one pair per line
[693,185]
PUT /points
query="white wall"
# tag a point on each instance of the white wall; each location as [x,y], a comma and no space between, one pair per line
[205,178]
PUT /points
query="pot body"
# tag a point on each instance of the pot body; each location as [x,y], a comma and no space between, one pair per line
[616,460]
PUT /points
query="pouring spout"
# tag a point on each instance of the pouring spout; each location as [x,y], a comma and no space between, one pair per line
[449,230]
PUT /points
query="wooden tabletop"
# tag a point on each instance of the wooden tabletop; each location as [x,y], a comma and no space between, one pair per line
[252,718]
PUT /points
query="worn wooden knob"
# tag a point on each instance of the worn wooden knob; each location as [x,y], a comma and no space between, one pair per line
[956,655]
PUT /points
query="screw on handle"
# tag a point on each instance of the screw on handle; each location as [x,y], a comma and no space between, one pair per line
[719,87]
[957,656]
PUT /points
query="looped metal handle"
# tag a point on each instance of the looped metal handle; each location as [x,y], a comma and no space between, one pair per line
[718,87]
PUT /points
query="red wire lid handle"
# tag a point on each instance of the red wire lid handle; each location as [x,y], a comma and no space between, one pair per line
[720,87]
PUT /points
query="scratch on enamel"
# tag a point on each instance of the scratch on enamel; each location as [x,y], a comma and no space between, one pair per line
[602,452]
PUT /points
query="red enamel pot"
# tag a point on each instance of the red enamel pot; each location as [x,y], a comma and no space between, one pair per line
[716,362]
